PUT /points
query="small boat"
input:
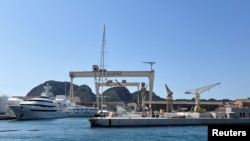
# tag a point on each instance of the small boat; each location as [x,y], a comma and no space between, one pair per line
[42,107]
[102,113]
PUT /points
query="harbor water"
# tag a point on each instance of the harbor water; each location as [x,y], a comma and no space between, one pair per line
[78,129]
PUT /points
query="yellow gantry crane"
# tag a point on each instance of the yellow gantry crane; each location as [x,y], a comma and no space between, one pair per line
[197,93]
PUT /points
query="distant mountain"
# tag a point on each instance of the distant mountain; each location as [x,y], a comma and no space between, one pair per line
[60,88]
[85,94]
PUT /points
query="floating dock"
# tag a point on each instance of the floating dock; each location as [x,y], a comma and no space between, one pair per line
[232,115]
[149,121]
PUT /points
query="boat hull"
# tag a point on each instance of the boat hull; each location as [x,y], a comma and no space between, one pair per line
[34,112]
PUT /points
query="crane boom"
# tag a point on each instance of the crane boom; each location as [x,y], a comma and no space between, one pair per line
[202,89]
[151,64]
[169,107]
[197,93]
[168,90]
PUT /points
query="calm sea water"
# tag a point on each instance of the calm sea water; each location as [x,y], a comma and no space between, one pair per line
[78,129]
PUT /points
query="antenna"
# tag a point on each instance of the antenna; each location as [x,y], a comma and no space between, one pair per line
[151,64]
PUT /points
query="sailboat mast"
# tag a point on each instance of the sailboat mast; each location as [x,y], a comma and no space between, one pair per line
[102,64]
[102,52]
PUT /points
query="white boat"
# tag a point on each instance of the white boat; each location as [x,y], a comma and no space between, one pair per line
[80,111]
[74,110]
[42,107]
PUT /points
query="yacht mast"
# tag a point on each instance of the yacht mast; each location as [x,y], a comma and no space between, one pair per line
[102,64]
[102,52]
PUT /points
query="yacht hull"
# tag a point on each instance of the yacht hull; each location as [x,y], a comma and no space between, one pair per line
[34,112]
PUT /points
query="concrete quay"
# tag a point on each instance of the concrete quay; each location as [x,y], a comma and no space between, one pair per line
[150,121]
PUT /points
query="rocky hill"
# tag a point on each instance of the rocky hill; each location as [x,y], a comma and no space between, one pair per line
[85,93]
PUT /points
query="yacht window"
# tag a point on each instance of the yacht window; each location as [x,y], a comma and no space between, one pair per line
[39,105]
[40,100]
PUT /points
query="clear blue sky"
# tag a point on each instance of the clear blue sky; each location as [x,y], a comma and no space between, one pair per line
[194,43]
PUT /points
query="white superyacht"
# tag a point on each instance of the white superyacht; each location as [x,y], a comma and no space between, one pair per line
[42,107]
